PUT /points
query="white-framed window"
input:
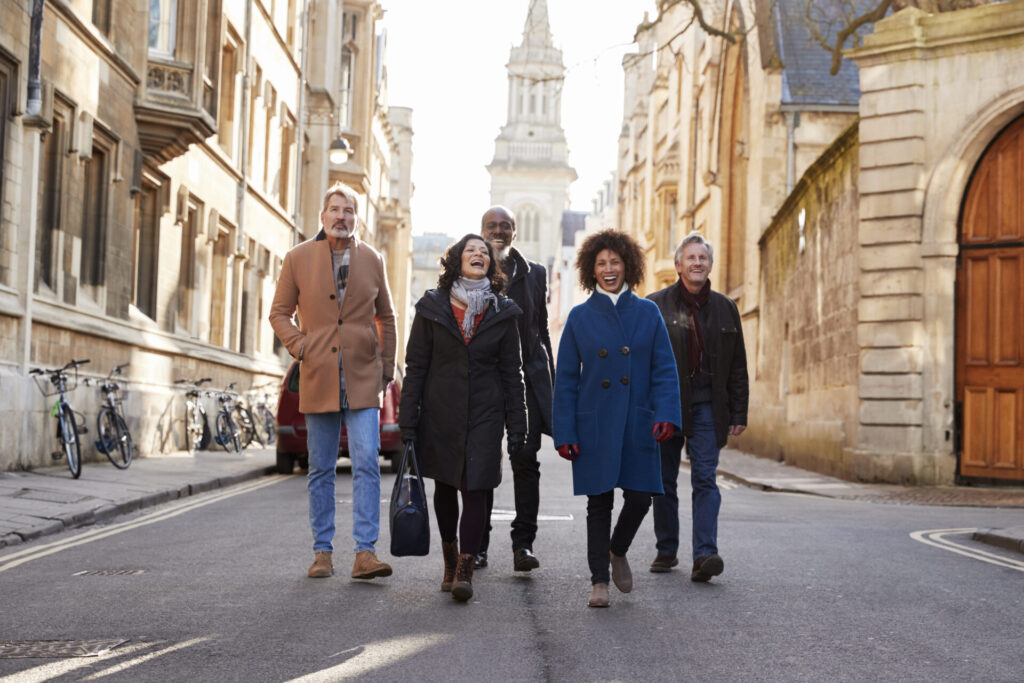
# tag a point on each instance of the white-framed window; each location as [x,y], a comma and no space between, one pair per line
[163,26]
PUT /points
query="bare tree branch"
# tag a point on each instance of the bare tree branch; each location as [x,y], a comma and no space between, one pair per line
[877,14]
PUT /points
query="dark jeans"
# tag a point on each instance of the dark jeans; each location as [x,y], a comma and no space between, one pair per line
[470,526]
[706,500]
[599,524]
[525,482]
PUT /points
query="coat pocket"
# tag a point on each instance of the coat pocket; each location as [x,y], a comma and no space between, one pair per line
[586,430]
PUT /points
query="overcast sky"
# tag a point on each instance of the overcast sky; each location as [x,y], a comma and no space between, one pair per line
[447,61]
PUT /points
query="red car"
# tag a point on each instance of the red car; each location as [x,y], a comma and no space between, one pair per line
[291,427]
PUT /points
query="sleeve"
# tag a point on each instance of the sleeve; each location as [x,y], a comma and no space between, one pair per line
[738,385]
[286,298]
[510,365]
[385,318]
[664,376]
[417,363]
[567,387]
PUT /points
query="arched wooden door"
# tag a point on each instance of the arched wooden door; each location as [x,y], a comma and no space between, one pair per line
[990,313]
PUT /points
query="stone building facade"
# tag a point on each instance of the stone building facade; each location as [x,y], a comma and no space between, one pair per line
[871,234]
[176,156]
[530,171]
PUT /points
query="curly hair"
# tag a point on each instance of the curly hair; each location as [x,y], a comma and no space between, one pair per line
[451,265]
[619,242]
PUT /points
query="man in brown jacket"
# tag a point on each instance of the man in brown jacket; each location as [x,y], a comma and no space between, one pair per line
[338,286]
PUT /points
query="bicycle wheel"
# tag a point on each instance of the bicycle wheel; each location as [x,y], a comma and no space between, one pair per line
[69,440]
[246,427]
[265,425]
[227,434]
[194,426]
[115,438]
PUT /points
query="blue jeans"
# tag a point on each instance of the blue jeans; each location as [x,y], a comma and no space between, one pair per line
[702,451]
[322,437]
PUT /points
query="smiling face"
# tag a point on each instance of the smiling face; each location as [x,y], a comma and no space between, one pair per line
[694,267]
[499,228]
[339,220]
[609,270]
[475,259]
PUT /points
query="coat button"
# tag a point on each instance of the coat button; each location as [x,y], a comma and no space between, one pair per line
[602,353]
[339,321]
[625,380]
[606,383]
[334,349]
[625,350]
[332,296]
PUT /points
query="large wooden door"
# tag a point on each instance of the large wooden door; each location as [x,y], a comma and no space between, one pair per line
[990,314]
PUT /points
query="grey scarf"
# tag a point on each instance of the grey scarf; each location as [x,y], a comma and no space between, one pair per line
[475,294]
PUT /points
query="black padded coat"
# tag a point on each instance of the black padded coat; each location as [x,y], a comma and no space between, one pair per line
[457,398]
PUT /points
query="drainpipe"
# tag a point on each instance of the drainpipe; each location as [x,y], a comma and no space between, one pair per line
[792,123]
[300,129]
[243,156]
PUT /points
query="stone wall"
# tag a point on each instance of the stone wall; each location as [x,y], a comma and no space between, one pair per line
[804,349]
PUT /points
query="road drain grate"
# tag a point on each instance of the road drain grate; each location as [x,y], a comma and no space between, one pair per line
[10,649]
[108,572]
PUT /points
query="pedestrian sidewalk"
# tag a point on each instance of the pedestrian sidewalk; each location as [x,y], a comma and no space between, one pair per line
[770,475]
[47,500]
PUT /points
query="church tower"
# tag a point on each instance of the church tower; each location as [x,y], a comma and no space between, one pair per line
[530,172]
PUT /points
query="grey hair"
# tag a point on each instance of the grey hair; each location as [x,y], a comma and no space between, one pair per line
[695,238]
[345,191]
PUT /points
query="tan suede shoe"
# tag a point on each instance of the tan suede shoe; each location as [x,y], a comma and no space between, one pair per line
[622,575]
[367,566]
[598,595]
[323,565]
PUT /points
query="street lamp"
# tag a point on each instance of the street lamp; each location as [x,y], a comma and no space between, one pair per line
[339,151]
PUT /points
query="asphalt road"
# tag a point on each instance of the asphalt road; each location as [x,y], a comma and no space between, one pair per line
[814,589]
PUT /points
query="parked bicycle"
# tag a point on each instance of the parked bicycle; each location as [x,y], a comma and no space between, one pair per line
[263,416]
[197,426]
[114,440]
[234,428]
[68,426]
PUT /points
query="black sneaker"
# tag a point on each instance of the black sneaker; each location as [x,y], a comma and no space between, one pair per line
[706,567]
[481,560]
[523,560]
[664,563]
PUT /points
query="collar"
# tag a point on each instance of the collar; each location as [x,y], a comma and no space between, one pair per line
[614,296]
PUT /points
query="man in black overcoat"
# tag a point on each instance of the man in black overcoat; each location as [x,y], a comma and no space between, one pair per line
[527,286]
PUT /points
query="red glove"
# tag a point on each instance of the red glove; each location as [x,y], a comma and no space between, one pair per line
[663,431]
[569,451]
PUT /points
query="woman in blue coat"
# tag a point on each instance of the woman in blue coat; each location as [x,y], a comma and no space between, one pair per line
[616,395]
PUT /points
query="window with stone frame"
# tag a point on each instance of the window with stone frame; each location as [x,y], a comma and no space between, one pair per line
[101,15]
[271,140]
[146,248]
[211,58]
[8,98]
[163,26]
[288,161]
[227,107]
[51,251]
[191,229]
[254,154]
[348,67]
[97,172]
[219,288]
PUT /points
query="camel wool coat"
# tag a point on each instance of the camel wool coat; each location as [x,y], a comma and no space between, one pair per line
[327,336]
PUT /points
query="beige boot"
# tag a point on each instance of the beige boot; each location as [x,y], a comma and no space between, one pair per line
[622,575]
[322,566]
[367,566]
[450,551]
[598,595]
[462,589]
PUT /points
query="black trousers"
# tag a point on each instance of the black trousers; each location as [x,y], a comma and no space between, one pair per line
[601,539]
[470,527]
[525,482]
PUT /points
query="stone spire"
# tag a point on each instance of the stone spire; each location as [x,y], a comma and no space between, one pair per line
[536,29]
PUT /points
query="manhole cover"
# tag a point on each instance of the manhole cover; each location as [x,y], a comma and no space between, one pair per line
[49,496]
[10,649]
[108,572]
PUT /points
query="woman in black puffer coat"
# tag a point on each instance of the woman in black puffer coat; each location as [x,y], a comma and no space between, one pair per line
[463,388]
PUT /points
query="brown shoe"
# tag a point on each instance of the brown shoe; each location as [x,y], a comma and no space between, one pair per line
[706,567]
[450,551]
[462,589]
[322,566]
[664,563]
[367,566]
[598,595]
[622,576]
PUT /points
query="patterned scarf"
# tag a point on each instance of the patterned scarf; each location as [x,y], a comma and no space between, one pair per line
[474,294]
[693,303]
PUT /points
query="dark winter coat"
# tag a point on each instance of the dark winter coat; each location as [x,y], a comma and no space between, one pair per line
[614,380]
[458,398]
[528,288]
[723,341]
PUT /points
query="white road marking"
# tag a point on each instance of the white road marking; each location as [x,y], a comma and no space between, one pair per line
[499,515]
[937,538]
[367,659]
[20,557]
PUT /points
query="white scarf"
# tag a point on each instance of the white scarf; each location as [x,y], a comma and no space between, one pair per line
[475,294]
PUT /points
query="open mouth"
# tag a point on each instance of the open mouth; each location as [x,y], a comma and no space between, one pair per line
[610,279]
[477,263]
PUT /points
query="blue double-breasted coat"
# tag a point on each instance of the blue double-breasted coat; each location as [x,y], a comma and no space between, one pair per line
[615,378]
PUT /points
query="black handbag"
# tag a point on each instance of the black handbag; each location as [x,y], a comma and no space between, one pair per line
[410,523]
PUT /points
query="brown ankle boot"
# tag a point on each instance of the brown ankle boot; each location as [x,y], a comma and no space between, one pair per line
[462,589]
[322,566]
[450,551]
[367,566]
